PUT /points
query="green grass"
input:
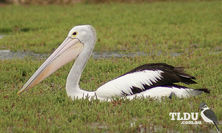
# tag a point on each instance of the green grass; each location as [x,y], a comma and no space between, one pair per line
[120,27]
[193,29]
[47,108]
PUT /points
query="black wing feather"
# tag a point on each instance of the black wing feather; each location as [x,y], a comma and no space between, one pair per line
[170,73]
[170,76]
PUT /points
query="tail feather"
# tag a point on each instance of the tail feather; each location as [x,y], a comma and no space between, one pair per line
[185,78]
[182,73]
[184,92]
[195,92]
[205,90]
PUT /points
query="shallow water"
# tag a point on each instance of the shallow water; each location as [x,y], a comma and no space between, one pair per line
[7,54]
[1,36]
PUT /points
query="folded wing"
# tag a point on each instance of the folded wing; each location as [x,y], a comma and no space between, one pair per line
[143,78]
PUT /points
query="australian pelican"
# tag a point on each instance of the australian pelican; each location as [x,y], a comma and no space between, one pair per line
[149,80]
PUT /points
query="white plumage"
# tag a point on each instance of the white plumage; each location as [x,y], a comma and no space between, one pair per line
[149,80]
[124,83]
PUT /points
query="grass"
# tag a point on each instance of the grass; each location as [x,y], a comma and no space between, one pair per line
[145,27]
[191,28]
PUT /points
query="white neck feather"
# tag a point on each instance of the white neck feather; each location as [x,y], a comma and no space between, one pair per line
[72,84]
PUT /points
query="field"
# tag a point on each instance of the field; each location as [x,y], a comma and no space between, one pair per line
[193,30]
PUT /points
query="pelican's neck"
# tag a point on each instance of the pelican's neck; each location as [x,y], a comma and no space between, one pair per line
[72,83]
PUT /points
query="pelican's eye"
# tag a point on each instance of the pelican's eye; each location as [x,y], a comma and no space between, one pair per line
[74,34]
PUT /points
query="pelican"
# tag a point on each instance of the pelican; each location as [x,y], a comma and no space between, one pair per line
[150,80]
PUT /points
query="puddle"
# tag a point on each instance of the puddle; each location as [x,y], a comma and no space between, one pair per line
[98,55]
[98,125]
[7,54]
[1,36]
[216,50]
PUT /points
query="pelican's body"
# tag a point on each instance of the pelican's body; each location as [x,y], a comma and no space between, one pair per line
[149,80]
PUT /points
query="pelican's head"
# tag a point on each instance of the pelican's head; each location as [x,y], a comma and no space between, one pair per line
[84,33]
[79,38]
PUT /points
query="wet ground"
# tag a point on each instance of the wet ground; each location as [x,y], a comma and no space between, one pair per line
[7,54]
[1,36]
